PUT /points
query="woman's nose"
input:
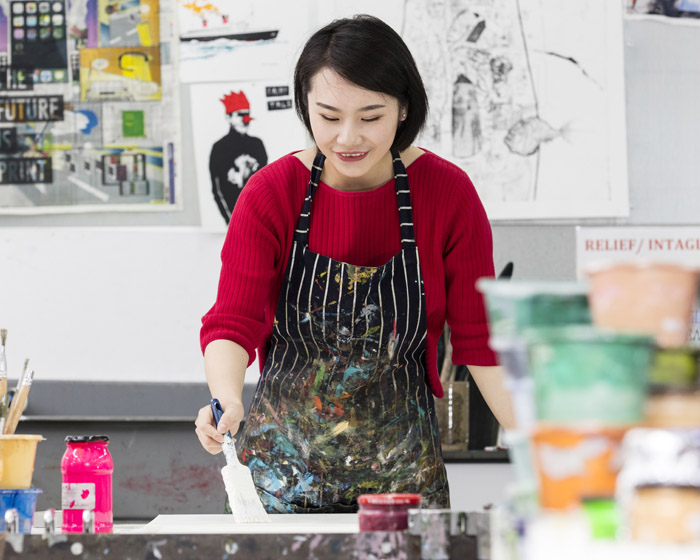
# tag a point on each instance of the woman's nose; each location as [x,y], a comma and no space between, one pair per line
[349,134]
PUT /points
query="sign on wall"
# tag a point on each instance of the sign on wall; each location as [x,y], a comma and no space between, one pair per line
[677,245]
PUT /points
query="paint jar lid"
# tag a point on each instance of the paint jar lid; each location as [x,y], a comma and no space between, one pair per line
[389,499]
[85,439]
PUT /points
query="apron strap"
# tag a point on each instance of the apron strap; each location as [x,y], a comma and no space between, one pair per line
[301,233]
[403,198]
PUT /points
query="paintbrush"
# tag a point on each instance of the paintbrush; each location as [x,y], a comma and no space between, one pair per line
[15,393]
[19,399]
[4,397]
[242,495]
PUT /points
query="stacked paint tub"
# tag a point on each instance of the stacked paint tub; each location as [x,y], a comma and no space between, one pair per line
[658,488]
[590,367]
[516,310]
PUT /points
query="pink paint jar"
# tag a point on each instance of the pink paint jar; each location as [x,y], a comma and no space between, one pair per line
[87,469]
[386,512]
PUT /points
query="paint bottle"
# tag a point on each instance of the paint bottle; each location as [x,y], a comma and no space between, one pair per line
[86,470]
[386,512]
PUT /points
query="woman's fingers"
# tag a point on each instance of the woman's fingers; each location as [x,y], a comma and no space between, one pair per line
[207,434]
[231,419]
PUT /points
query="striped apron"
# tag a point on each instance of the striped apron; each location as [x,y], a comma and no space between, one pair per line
[343,405]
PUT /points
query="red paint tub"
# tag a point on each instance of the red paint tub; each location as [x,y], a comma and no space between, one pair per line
[386,512]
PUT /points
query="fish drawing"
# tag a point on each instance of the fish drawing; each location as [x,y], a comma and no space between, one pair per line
[527,135]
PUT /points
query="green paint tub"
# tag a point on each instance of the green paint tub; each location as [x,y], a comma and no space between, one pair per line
[675,368]
[516,305]
[584,375]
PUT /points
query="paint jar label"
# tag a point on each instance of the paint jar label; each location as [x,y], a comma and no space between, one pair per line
[78,495]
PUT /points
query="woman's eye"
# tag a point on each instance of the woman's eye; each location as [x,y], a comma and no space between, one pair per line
[331,119]
[371,119]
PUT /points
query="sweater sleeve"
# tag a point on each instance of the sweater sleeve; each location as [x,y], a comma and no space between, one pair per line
[251,252]
[468,256]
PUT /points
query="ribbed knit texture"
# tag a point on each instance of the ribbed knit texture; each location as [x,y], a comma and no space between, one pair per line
[361,228]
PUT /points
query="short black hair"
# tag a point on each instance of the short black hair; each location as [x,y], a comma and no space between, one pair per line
[369,53]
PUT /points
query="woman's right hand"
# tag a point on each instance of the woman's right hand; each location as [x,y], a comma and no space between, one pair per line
[210,436]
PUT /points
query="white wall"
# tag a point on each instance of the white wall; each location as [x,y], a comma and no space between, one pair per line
[475,485]
[115,303]
[107,304]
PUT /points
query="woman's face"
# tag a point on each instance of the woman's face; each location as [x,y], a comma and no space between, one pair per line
[354,128]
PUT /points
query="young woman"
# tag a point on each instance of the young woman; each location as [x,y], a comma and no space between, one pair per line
[340,265]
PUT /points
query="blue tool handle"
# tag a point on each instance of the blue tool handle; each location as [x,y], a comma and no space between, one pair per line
[217,411]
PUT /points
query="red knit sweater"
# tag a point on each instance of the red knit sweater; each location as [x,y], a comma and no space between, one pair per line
[452,231]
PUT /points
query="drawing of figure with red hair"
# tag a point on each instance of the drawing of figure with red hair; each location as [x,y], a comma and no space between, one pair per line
[236,156]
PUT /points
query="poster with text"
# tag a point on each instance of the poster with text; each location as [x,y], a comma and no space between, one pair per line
[89,114]
[238,128]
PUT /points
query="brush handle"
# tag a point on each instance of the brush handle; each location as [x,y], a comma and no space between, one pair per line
[3,387]
[217,411]
[16,408]
[228,447]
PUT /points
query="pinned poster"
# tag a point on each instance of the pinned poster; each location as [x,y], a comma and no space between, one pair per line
[528,98]
[92,121]
[249,40]
[238,128]
[684,12]
[129,23]
[127,73]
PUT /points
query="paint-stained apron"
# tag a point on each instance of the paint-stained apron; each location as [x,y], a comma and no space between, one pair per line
[343,406]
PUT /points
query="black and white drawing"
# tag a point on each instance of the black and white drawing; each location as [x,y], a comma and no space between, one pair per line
[238,128]
[527,96]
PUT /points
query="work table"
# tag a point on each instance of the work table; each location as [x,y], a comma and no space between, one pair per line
[322,536]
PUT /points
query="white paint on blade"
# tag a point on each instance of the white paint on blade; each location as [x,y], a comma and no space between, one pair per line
[229,450]
[242,495]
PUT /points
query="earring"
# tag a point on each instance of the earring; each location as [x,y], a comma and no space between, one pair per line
[403,116]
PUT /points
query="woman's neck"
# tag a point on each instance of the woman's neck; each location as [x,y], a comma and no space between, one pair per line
[380,174]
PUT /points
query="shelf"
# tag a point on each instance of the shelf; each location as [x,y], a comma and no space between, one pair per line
[476,456]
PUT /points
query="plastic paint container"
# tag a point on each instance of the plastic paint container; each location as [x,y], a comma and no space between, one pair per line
[653,298]
[87,469]
[386,512]
[17,454]
[675,368]
[658,488]
[584,374]
[522,456]
[673,409]
[665,514]
[576,463]
[24,501]
[603,516]
[516,305]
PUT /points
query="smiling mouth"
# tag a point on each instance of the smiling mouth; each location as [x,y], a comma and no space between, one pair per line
[351,156]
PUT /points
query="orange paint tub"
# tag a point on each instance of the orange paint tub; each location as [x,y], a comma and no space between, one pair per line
[653,298]
[576,463]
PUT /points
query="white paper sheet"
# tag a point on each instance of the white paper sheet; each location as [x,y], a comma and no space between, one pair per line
[279,524]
